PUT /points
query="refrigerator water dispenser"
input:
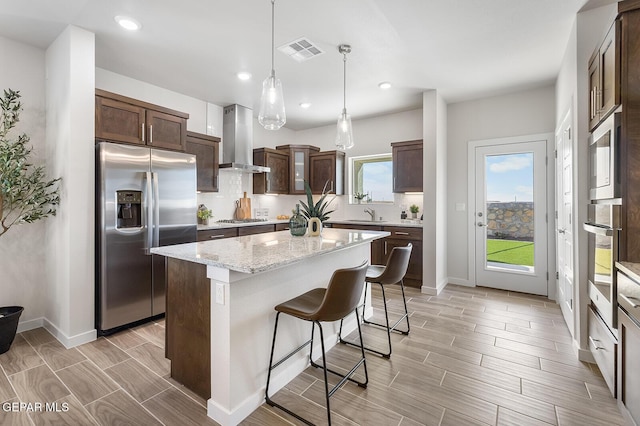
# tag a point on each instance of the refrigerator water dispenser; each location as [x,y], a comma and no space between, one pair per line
[129,209]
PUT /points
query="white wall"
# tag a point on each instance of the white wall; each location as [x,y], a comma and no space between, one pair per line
[514,114]
[123,85]
[22,253]
[70,65]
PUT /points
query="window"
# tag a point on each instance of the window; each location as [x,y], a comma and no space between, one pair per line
[372,176]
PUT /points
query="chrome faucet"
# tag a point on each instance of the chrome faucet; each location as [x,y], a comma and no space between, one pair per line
[372,213]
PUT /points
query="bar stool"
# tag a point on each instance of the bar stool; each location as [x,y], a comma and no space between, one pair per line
[339,299]
[392,273]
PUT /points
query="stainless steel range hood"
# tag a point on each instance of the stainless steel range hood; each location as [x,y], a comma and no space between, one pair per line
[237,140]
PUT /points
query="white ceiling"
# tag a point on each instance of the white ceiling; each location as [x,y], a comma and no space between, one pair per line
[465,49]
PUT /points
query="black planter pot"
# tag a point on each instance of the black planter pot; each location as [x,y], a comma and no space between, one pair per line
[9,316]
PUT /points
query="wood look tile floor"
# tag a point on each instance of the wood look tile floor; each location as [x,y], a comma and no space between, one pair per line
[475,356]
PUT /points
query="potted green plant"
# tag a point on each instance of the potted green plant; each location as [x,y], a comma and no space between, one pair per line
[26,195]
[204,214]
[414,211]
[359,196]
[316,210]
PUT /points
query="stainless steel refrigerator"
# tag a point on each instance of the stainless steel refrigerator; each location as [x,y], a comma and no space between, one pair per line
[144,198]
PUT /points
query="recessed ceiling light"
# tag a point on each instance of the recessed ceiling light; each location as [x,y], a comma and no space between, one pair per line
[305,105]
[128,23]
[243,75]
[384,85]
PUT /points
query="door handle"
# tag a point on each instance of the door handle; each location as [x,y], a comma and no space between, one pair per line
[628,300]
[480,224]
[561,231]
[598,230]
[156,211]
[595,345]
[149,211]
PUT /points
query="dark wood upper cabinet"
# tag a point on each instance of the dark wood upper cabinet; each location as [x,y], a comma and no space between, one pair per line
[604,77]
[299,169]
[207,151]
[126,120]
[277,180]
[327,168]
[407,166]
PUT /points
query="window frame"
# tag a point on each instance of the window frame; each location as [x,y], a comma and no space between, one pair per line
[353,182]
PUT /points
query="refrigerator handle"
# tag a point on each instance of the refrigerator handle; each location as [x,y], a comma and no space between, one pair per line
[156,211]
[149,211]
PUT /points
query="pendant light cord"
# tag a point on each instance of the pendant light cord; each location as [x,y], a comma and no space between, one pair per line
[344,86]
[273,70]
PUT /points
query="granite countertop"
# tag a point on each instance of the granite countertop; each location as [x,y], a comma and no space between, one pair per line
[406,222]
[630,268]
[411,223]
[257,253]
[217,225]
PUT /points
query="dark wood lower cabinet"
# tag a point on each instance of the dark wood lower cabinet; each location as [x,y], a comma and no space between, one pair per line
[255,229]
[216,234]
[400,237]
[188,331]
[282,226]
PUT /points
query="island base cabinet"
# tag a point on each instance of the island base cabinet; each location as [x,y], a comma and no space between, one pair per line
[629,365]
[187,332]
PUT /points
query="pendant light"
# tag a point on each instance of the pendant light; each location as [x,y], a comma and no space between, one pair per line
[344,136]
[272,115]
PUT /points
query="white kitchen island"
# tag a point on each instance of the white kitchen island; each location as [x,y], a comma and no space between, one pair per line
[220,310]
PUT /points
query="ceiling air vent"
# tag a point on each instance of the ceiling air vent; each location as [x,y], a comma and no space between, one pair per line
[301,50]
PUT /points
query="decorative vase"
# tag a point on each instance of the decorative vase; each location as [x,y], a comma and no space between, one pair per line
[9,316]
[297,223]
[414,215]
[315,227]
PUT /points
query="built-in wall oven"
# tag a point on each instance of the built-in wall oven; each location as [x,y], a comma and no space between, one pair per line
[603,228]
[604,157]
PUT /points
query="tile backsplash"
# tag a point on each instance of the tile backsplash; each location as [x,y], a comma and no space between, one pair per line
[233,185]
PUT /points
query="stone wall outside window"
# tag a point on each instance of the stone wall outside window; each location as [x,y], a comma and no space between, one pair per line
[510,220]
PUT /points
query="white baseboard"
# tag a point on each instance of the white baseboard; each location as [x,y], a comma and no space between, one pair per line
[68,342]
[279,379]
[584,355]
[435,291]
[461,281]
[30,325]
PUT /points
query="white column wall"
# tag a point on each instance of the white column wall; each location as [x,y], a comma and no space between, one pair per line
[434,242]
[22,252]
[70,70]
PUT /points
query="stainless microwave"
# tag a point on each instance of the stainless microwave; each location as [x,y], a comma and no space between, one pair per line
[604,163]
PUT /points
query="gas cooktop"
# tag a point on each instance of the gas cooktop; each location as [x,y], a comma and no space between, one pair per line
[241,220]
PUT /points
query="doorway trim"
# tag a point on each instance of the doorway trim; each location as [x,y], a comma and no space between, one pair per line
[549,138]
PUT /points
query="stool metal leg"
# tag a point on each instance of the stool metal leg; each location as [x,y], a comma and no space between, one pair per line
[388,327]
[272,366]
[328,393]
